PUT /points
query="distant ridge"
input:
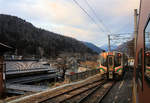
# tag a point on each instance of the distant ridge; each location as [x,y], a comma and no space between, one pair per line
[105,47]
[93,47]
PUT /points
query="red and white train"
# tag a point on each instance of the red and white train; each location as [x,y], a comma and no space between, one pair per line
[112,64]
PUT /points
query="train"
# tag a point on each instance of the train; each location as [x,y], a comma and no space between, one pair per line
[113,64]
[141,77]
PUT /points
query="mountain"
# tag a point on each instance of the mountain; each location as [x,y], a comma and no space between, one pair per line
[127,47]
[105,47]
[93,47]
[30,40]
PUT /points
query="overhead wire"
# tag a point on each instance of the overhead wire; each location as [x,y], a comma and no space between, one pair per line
[104,25]
[108,30]
[117,36]
[88,15]
[98,17]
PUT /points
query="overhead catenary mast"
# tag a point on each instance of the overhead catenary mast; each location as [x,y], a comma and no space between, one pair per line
[135,28]
[109,43]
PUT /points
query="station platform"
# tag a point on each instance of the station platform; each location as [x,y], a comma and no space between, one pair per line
[122,90]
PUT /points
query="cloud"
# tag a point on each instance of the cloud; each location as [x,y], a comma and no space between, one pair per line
[55,12]
[65,17]
[115,12]
[115,7]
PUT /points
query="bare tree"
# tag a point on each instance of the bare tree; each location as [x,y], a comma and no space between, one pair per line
[61,64]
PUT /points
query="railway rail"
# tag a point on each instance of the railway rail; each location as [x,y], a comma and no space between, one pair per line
[82,93]
[98,94]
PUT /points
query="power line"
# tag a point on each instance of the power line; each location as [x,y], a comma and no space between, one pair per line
[119,34]
[97,17]
[87,14]
[111,34]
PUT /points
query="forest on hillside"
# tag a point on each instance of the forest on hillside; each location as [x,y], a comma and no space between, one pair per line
[30,40]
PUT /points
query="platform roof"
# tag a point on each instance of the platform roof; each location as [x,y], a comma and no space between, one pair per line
[5,48]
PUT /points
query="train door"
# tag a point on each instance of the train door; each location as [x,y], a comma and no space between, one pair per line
[110,66]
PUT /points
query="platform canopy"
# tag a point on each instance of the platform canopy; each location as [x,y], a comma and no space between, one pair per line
[5,48]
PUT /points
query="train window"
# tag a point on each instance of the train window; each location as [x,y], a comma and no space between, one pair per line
[147,53]
[118,60]
[147,37]
[103,61]
[110,61]
[147,59]
[139,69]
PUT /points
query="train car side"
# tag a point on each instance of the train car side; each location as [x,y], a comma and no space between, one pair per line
[141,83]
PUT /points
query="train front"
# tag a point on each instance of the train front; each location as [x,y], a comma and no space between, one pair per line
[103,63]
[112,64]
[107,64]
[119,65]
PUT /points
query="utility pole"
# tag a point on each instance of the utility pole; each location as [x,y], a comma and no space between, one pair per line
[135,37]
[135,28]
[109,43]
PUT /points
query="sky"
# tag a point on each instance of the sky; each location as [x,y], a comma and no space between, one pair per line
[67,18]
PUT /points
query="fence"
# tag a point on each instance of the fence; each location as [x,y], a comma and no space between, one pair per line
[81,75]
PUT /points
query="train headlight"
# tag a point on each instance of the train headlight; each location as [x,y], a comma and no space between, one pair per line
[147,54]
[119,55]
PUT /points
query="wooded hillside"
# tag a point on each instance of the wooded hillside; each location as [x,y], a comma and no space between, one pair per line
[30,40]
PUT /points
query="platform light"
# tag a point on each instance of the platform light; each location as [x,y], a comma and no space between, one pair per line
[119,54]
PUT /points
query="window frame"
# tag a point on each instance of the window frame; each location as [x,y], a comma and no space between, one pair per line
[139,69]
[147,22]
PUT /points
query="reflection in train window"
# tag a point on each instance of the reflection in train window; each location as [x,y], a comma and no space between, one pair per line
[147,58]
[147,53]
[147,37]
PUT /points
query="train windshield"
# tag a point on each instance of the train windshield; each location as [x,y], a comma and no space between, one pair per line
[110,60]
[103,61]
[118,60]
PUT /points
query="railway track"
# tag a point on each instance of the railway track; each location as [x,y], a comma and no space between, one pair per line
[97,94]
[82,94]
